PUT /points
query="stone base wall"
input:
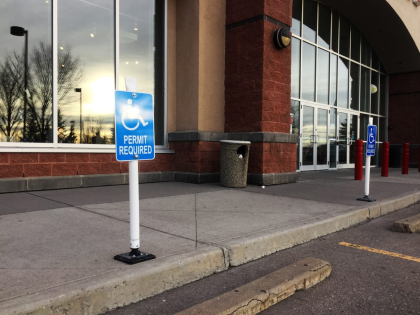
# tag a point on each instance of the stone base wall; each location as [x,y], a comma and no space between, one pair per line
[15,165]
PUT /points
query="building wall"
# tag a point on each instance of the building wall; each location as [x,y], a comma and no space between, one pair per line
[404,111]
[67,164]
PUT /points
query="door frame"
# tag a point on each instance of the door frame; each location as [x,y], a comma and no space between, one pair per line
[314,165]
[349,140]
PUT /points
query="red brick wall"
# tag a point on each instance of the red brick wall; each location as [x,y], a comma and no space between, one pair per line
[257,83]
[63,164]
[404,108]
[197,156]
[272,158]
[238,10]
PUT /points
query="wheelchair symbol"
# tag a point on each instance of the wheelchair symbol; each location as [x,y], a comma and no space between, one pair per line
[371,137]
[132,114]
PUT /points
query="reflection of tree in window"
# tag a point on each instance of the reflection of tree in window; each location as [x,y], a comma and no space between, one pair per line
[39,94]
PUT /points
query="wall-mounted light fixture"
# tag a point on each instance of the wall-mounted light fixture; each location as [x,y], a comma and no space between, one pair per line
[282,38]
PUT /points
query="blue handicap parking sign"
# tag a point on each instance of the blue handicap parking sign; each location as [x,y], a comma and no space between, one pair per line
[371,140]
[134,126]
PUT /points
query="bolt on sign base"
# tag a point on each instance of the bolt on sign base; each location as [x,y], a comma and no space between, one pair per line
[134,257]
[366,198]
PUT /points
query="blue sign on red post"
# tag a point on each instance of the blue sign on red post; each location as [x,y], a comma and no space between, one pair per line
[371,140]
[134,126]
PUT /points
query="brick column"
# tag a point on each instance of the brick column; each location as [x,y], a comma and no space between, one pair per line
[257,84]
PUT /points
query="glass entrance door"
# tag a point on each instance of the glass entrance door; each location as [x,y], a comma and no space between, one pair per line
[347,127]
[314,138]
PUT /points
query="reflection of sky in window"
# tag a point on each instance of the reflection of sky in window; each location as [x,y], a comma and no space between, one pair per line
[343,83]
[36,18]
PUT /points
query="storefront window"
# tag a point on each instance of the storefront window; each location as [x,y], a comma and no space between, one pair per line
[309,20]
[365,90]
[355,44]
[343,83]
[354,86]
[344,37]
[323,76]
[366,52]
[297,17]
[25,72]
[334,31]
[334,70]
[295,79]
[86,71]
[308,75]
[374,97]
[84,79]
[333,80]
[324,26]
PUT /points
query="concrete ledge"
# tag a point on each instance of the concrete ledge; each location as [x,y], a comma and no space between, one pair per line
[196,178]
[103,180]
[62,182]
[409,225]
[11,185]
[260,294]
[209,136]
[121,287]
[272,178]
[252,247]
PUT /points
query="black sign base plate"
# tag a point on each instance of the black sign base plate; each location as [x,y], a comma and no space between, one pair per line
[134,257]
[367,199]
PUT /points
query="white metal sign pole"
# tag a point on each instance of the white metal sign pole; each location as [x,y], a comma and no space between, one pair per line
[133,182]
[367,166]
[130,106]
[134,204]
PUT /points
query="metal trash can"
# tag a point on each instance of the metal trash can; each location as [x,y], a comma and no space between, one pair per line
[234,163]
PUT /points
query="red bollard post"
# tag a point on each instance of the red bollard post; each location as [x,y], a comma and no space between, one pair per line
[358,163]
[385,159]
[406,148]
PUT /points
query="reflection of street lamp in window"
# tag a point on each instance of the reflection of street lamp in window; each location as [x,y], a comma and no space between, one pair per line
[79,90]
[20,31]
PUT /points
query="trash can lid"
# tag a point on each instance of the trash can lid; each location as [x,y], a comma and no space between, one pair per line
[236,141]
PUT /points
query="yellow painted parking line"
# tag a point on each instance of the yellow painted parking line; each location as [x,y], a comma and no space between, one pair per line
[379,251]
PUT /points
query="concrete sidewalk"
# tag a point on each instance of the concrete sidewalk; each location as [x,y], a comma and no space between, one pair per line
[57,247]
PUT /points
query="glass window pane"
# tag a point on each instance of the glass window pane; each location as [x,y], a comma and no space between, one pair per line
[374,97]
[307,135]
[342,138]
[295,115]
[324,26]
[354,86]
[297,17]
[353,137]
[159,68]
[365,90]
[295,79]
[323,76]
[322,137]
[333,138]
[25,116]
[308,76]
[343,83]
[309,20]
[382,90]
[136,52]
[375,61]
[382,129]
[366,52]
[334,39]
[86,66]
[344,37]
[333,80]
[355,44]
